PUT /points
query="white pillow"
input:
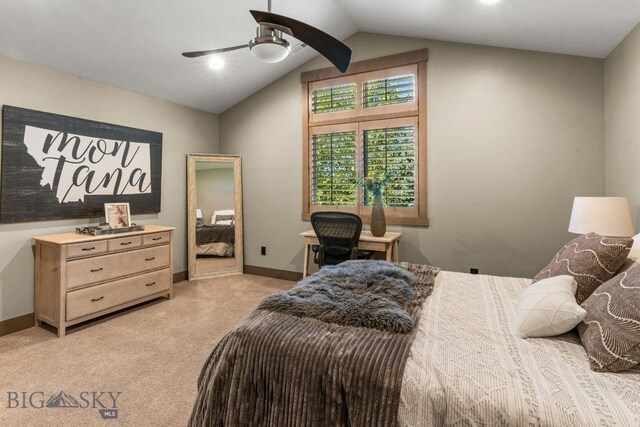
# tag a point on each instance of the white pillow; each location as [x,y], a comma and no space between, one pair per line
[634,253]
[214,220]
[548,308]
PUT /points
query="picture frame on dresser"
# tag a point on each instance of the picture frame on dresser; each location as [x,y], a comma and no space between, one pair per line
[80,277]
[117,215]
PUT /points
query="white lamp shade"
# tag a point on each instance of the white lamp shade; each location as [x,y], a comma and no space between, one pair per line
[270,52]
[199,214]
[607,216]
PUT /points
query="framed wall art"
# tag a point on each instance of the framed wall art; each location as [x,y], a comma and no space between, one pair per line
[59,167]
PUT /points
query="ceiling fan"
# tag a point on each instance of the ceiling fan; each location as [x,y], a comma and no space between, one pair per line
[269,44]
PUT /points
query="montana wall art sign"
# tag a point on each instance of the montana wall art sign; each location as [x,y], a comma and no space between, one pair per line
[59,167]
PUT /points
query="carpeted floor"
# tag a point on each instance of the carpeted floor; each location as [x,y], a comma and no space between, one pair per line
[151,355]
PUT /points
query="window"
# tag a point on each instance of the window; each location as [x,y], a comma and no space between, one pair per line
[333,99]
[389,91]
[334,168]
[392,150]
[370,121]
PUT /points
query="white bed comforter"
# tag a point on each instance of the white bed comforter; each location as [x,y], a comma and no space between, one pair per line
[468,367]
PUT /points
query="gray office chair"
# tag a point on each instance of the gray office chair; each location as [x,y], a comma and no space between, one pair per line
[338,234]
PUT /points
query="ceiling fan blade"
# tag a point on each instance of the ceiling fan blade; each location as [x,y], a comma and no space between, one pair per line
[331,48]
[209,52]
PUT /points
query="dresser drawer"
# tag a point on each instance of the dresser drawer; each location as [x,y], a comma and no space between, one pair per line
[123,243]
[84,249]
[83,302]
[91,270]
[155,238]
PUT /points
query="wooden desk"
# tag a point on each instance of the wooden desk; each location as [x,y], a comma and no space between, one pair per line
[387,243]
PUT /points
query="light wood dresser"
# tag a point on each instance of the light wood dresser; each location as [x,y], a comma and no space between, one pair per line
[79,277]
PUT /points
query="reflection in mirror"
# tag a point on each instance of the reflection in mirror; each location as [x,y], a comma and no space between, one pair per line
[215,216]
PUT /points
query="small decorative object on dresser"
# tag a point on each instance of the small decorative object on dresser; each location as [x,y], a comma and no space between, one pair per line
[79,277]
[117,215]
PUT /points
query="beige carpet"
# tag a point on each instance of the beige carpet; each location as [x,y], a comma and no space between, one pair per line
[152,355]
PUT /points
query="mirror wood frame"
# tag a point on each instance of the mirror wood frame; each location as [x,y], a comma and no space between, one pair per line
[192,160]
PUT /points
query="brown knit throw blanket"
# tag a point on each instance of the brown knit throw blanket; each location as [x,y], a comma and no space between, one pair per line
[275,369]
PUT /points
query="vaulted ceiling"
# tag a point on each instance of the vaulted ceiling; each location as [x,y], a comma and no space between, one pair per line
[136,44]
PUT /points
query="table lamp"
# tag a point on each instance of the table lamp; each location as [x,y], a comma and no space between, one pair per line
[607,216]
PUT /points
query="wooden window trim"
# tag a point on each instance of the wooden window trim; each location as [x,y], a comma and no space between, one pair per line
[411,57]
[418,57]
[360,112]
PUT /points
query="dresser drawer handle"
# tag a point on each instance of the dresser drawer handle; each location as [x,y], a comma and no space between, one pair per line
[125,243]
[150,284]
[89,249]
[150,259]
[157,238]
[97,269]
[96,299]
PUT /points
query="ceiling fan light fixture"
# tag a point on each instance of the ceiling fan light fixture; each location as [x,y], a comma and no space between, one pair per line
[216,63]
[269,45]
[270,52]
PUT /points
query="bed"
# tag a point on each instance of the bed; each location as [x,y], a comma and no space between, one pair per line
[217,238]
[465,366]
[468,367]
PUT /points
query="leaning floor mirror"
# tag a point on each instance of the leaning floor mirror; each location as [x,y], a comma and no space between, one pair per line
[214,215]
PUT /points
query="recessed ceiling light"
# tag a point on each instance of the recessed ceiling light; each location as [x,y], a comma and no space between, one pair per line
[216,63]
[489,1]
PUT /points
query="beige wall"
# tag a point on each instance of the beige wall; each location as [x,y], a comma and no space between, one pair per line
[622,122]
[513,137]
[184,130]
[214,191]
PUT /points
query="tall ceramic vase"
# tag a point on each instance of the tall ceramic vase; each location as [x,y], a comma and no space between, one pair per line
[378,222]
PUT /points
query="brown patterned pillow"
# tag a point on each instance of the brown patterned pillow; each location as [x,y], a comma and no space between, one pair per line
[592,259]
[611,330]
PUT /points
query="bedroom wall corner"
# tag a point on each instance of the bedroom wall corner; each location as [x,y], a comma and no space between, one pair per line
[185,130]
[513,137]
[622,118]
